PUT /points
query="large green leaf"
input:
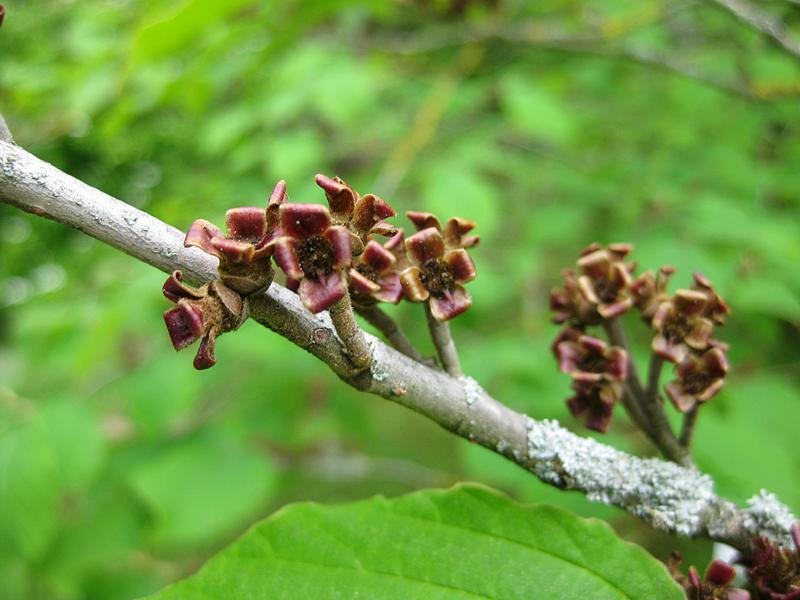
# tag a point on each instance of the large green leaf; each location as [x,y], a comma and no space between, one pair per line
[465,542]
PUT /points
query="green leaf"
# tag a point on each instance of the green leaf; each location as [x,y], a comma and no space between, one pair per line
[465,542]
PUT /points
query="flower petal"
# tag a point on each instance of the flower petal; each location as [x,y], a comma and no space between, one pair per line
[414,290]
[302,221]
[246,223]
[711,390]
[425,245]
[450,304]
[362,284]
[455,228]
[423,220]
[383,228]
[378,257]
[341,197]
[339,237]
[680,399]
[719,573]
[233,251]
[200,234]
[174,289]
[463,268]
[614,309]
[320,293]
[698,337]
[184,324]
[285,254]
[668,350]
[278,195]
[205,359]
[391,289]
[595,264]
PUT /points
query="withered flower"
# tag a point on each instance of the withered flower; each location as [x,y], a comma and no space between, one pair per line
[597,370]
[716,308]
[361,215]
[679,325]
[436,274]
[605,279]
[206,312]
[715,584]
[243,251]
[774,570]
[700,378]
[313,252]
[650,291]
[374,275]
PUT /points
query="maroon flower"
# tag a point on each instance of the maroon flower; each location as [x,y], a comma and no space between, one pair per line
[436,274]
[605,279]
[680,326]
[570,304]
[715,584]
[650,291]
[597,371]
[313,252]
[374,275]
[244,251]
[206,312]
[774,570]
[716,308]
[700,378]
[361,215]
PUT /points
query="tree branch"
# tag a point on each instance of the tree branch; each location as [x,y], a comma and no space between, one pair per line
[764,23]
[663,494]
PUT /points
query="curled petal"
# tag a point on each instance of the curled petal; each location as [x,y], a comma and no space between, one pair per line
[232,251]
[246,223]
[285,254]
[363,285]
[278,195]
[184,324]
[320,293]
[614,309]
[673,352]
[383,228]
[682,400]
[461,264]
[711,390]
[391,289]
[450,304]
[700,334]
[382,209]
[200,234]
[339,237]
[715,362]
[425,245]
[205,359]
[413,287]
[302,221]
[568,355]
[423,220]
[378,257]
[587,289]
[341,197]
[596,264]
[363,217]
[455,228]
[396,245]
[689,302]
[617,367]
[174,288]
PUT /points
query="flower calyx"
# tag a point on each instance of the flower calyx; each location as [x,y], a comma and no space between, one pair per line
[244,250]
[314,252]
[361,215]
[439,265]
[201,313]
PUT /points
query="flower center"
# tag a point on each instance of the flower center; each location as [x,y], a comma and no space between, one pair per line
[368,272]
[437,277]
[677,328]
[315,255]
[694,383]
[593,362]
[606,289]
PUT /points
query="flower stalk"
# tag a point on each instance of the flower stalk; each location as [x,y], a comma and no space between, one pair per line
[350,333]
[443,341]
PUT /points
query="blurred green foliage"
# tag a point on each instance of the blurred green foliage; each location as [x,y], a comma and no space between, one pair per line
[553,124]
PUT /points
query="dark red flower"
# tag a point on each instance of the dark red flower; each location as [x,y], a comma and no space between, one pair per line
[605,279]
[313,252]
[570,304]
[775,570]
[374,275]
[361,215]
[436,274]
[700,378]
[680,325]
[244,251]
[206,312]
[594,402]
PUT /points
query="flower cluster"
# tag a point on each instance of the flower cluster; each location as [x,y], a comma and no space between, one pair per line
[775,571]
[715,585]
[597,372]
[326,253]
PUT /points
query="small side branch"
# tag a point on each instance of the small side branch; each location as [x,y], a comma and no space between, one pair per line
[376,317]
[445,347]
[689,421]
[350,333]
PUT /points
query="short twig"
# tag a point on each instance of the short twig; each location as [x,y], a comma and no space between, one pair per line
[687,430]
[445,347]
[654,375]
[376,317]
[350,333]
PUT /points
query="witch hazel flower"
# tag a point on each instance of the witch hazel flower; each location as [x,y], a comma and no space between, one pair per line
[700,377]
[439,266]
[201,313]
[313,252]
[361,215]
[374,275]
[598,372]
[243,250]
